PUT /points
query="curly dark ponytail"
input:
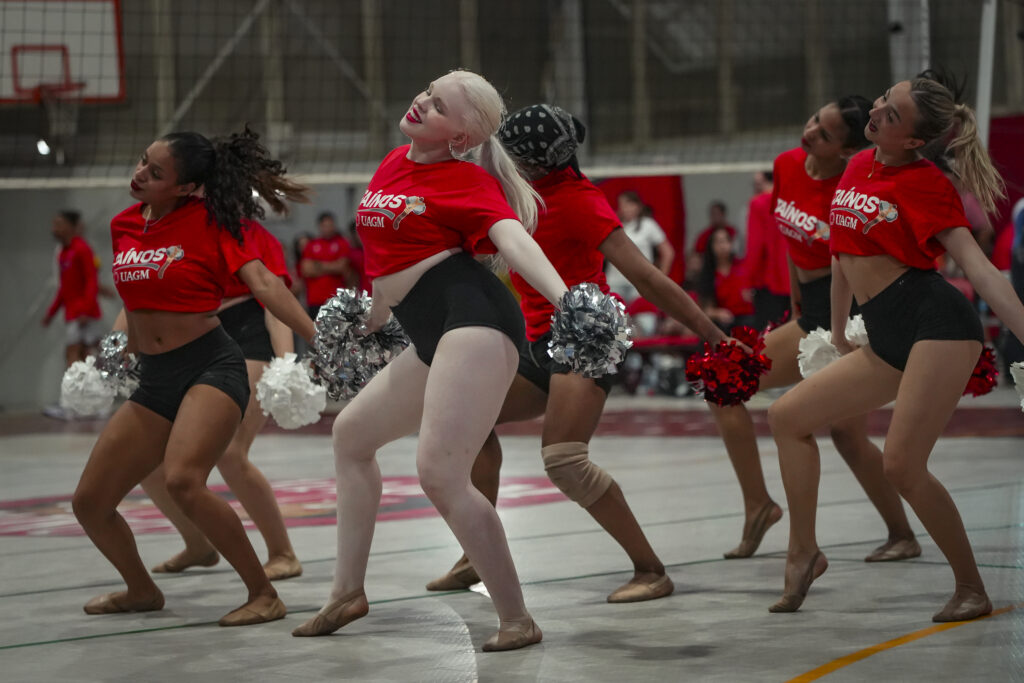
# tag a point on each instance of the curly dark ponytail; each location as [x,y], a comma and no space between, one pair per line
[229,170]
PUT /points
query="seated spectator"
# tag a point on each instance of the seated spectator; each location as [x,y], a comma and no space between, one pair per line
[716,212]
[724,287]
[647,235]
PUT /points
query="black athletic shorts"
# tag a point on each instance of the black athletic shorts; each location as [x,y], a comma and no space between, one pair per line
[213,359]
[918,305]
[537,366]
[816,305]
[246,324]
[457,292]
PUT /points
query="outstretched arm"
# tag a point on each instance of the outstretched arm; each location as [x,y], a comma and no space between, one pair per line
[272,293]
[657,287]
[526,258]
[990,284]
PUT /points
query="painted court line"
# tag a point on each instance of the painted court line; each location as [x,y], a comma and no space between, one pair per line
[854,657]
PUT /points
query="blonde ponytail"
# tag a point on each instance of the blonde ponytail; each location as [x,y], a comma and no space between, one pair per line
[972,163]
[938,115]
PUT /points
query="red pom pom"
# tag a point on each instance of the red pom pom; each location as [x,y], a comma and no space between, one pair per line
[727,375]
[985,375]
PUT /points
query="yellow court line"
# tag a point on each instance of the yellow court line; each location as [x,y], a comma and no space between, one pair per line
[849,659]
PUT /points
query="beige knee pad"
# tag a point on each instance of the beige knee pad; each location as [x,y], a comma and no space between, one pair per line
[569,468]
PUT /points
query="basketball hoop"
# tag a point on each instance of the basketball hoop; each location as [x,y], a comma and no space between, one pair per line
[61,103]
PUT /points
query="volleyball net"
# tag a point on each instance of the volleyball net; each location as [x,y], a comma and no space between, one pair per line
[664,86]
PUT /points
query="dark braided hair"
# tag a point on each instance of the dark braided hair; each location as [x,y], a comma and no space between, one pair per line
[228,170]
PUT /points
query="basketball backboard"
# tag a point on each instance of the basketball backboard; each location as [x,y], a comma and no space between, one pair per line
[70,48]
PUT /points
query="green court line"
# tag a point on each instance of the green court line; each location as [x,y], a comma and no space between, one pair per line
[427,596]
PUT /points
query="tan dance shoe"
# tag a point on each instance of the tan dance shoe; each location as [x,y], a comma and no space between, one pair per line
[342,611]
[251,613]
[181,562]
[893,551]
[514,636]
[460,577]
[282,567]
[116,603]
[964,609]
[762,521]
[639,591]
[791,602]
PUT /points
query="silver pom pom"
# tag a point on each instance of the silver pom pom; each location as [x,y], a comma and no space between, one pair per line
[344,357]
[117,367]
[288,394]
[590,331]
[83,390]
[816,351]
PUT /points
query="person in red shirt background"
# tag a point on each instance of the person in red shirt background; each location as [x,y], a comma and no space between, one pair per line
[716,214]
[766,256]
[892,215]
[324,265]
[724,284]
[78,289]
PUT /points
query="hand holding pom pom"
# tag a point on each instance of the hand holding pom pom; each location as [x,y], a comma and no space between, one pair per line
[84,391]
[816,351]
[727,375]
[856,331]
[590,331]
[985,375]
[1017,372]
[345,355]
[286,392]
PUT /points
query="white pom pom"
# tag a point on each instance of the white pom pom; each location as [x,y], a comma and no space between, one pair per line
[83,390]
[856,332]
[286,392]
[1017,372]
[816,351]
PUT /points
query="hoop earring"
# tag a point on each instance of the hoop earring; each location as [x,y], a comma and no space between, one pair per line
[451,150]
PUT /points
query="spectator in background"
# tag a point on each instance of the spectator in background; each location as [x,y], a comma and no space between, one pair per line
[77,290]
[298,285]
[766,255]
[649,238]
[724,285]
[325,266]
[716,213]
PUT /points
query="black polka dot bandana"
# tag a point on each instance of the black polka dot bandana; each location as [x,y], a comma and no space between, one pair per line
[542,134]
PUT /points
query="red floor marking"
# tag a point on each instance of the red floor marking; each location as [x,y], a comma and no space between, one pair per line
[304,502]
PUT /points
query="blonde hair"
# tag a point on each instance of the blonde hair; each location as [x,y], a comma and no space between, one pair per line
[485,113]
[938,116]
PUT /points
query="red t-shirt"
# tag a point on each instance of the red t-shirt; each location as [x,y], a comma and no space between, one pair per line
[766,247]
[79,285]
[577,219]
[733,291]
[181,263]
[801,210]
[267,247]
[320,288]
[411,211]
[896,211]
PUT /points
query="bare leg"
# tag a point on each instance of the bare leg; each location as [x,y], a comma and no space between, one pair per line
[865,461]
[811,404]
[73,353]
[198,552]
[389,407]
[574,409]
[206,422]
[130,446]
[737,430]
[523,401]
[253,490]
[934,379]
